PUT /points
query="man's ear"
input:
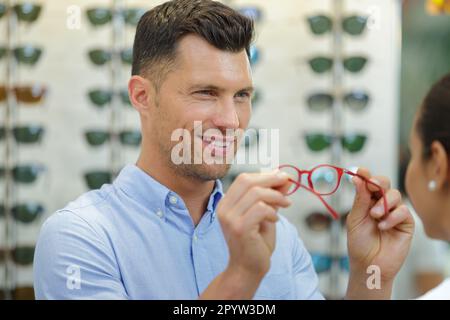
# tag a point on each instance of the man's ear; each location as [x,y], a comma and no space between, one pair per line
[439,165]
[141,93]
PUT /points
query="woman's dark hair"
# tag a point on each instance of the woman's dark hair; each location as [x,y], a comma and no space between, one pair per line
[160,29]
[433,123]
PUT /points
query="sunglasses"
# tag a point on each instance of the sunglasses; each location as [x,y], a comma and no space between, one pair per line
[355,100]
[253,13]
[324,64]
[95,179]
[26,12]
[24,173]
[126,137]
[322,263]
[353,25]
[100,57]
[26,212]
[318,221]
[33,94]
[351,142]
[100,97]
[25,134]
[307,180]
[101,16]
[22,255]
[26,54]
[251,137]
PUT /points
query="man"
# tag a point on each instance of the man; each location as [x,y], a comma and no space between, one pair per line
[164,229]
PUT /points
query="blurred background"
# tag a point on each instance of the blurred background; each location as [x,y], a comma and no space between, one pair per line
[338,81]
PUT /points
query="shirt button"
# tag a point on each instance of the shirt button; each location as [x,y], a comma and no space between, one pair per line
[159,213]
[195,237]
[173,199]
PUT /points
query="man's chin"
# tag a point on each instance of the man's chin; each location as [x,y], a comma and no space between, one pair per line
[207,172]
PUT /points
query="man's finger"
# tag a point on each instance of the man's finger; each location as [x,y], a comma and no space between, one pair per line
[245,181]
[269,196]
[258,213]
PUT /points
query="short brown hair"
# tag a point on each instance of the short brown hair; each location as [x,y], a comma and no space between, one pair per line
[160,29]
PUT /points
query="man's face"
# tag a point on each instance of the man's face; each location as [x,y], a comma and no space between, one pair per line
[207,85]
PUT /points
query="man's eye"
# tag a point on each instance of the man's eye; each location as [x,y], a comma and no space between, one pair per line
[243,95]
[205,92]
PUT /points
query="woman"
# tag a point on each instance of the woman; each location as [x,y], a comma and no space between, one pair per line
[428,174]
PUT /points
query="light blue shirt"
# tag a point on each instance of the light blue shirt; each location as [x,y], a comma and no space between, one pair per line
[135,239]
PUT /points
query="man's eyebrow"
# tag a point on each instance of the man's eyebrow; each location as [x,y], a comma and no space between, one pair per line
[216,88]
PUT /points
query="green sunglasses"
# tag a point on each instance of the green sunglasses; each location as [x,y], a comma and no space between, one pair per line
[351,142]
[23,255]
[324,64]
[95,179]
[126,137]
[26,212]
[27,12]
[101,16]
[26,54]
[353,25]
[25,134]
[355,100]
[24,173]
[100,97]
[100,57]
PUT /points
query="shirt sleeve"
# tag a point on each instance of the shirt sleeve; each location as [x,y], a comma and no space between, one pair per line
[306,280]
[72,262]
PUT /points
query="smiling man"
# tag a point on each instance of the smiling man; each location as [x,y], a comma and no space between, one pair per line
[164,229]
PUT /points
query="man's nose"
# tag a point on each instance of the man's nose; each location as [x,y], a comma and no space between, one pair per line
[226,115]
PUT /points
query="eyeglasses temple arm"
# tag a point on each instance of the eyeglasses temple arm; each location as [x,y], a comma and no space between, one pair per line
[333,213]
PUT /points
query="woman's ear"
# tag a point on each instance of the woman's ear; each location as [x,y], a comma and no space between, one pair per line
[439,169]
[141,94]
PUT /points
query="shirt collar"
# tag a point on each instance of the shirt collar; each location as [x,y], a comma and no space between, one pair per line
[152,194]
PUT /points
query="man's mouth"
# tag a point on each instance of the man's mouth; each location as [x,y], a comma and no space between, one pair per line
[218,145]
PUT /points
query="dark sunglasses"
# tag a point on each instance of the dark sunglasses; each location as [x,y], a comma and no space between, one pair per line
[95,179]
[324,64]
[251,137]
[25,212]
[26,12]
[100,57]
[22,255]
[26,54]
[24,173]
[353,25]
[319,221]
[322,263]
[126,137]
[25,134]
[319,141]
[101,16]
[100,97]
[25,94]
[355,100]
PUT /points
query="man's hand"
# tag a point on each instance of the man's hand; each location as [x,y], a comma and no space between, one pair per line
[375,238]
[248,213]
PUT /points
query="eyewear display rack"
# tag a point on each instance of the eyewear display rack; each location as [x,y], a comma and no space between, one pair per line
[116,76]
[336,148]
[10,152]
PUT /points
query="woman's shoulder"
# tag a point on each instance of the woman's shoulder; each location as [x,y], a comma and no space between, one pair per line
[441,292]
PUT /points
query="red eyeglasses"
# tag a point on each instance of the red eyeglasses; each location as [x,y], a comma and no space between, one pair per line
[324,180]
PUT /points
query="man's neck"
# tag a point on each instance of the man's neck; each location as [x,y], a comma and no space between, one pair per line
[194,193]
